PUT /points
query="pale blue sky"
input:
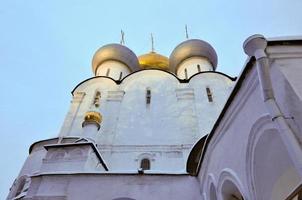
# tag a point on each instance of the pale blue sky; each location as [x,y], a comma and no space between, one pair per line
[46,49]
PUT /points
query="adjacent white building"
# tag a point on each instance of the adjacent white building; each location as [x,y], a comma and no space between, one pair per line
[152,127]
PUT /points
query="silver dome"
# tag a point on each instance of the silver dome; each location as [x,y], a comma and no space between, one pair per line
[115,52]
[192,48]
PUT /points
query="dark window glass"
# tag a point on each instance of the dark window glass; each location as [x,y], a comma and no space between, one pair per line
[148,96]
[186,73]
[108,71]
[209,93]
[96,101]
[145,164]
[198,68]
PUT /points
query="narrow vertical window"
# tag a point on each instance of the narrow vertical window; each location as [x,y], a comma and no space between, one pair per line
[121,75]
[97,97]
[186,73]
[145,164]
[108,71]
[148,96]
[198,68]
[209,93]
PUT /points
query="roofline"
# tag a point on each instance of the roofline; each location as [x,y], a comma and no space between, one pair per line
[248,66]
[118,82]
[55,138]
[195,152]
[117,173]
[49,146]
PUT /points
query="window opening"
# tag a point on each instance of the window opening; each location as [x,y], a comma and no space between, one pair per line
[210,95]
[186,73]
[198,68]
[121,75]
[145,164]
[148,96]
[108,71]
[97,97]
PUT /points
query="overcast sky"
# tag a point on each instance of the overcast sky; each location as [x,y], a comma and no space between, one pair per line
[46,49]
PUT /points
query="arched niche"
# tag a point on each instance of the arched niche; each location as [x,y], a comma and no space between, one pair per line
[211,188]
[270,170]
[212,192]
[275,176]
[230,191]
[230,186]
[145,161]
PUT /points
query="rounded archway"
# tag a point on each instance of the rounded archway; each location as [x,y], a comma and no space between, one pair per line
[230,186]
[230,191]
[273,172]
[212,192]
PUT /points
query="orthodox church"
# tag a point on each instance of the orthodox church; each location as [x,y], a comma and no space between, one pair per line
[151,127]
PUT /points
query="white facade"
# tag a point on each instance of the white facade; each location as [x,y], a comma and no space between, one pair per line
[153,114]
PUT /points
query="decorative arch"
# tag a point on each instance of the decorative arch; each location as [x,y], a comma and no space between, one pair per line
[117,82]
[269,166]
[145,159]
[260,124]
[211,189]
[214,72]
[94,79]
[230,187]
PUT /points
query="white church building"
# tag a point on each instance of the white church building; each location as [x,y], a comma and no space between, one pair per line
[151,127]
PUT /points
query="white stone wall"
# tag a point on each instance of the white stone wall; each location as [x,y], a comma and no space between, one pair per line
[166,128]
[114,186]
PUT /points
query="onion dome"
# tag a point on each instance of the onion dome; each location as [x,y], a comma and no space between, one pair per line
[192,48]
[115,52]
[92,117]
[153,60]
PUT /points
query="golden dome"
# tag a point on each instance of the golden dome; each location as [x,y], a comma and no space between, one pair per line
[93,116]
[153,60]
